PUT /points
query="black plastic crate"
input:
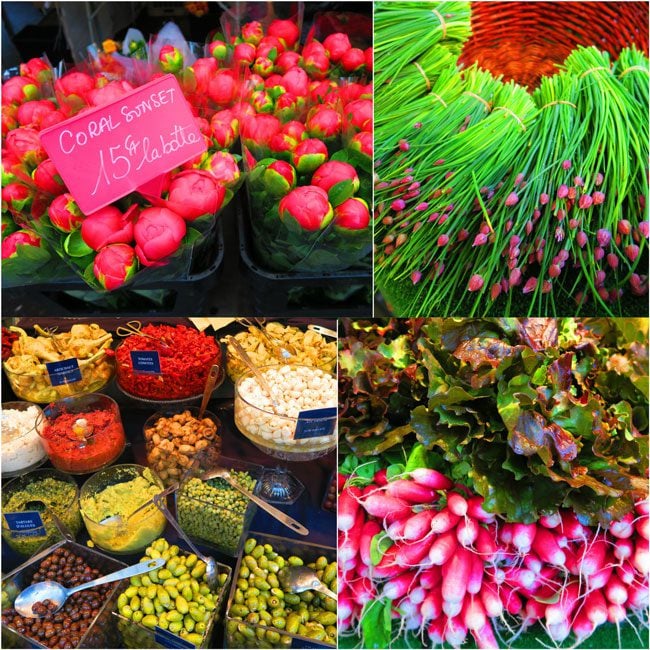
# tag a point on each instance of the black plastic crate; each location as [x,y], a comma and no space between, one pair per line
[293,294]
[73,297]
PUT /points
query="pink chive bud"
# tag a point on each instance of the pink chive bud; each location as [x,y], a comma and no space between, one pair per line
[547,287]
[484,229]
[600,277]
[404,145]
[515,277]
[599,179]
[416,276]
[581,238]
[644,228]
[448,175]
[598,198]
[531,285]
[434,217]
[382,185]
[398,204]
[519,179]
[604,237]
[624,227]
[509,225]
[585,201]
[417,125]
[599,253]
[562,192]
[563,255]
[440,161]
[495,291]
[514,253]
[631,252]
[409,170]
[572,193]
[603,293]
[578,182]
[515,240]
[559,234]
[543,198]
[480,239]
[512,199]
[560,215]
[421,206]
[573,224]
[554,271]
[581,298]
[442,218]
[635,280]
[615,294]
[536,215]
[463,234]
[415,185]
[475,283]
[442,240]
[529,227]
[566,165]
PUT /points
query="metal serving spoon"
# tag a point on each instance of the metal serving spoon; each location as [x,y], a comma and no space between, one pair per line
[283,518]
[58,594]
[118,520]
[297,579]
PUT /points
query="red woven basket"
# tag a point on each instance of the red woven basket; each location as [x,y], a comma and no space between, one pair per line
[525,41]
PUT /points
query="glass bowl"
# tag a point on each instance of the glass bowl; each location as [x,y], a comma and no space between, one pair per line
[121,490]
[83,434]
[57,491]
[174,437]
[274,434]
[22,450]
[35,386]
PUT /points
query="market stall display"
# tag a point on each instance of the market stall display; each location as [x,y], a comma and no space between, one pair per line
[494,482]
[512,148]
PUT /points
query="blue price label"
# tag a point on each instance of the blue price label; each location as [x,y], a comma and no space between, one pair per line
[64,372]
[145,362]
[168,639]
[25,524]
[316,423]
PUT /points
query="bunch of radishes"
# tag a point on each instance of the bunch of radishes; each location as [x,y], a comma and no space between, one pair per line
[450,568]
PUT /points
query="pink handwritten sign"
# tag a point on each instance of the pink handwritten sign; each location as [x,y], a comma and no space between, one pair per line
[107,152]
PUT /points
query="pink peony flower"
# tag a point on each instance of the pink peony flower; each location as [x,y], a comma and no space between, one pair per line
[263,66]
[286,61]
[114,265]
[257,130]
[309,206]
[109,93]
[158,233]
[296,130]
[286,31]
[333,172]
[64,213]
[352,214]
[37,69]
[32,113]
[315,61]
[262,101]
[270,46]
[252,32]
[20,89]
[204,69]
[224,128]
[279,178]
[296,81]
[47,178]
[362,142]
[309,155]
[223,88]
[354,59]
[244,54]
[16,198]
[19,238]
[71,91]
[369,54]
[288,107]
[337,45]
[194,193]
[218,49]
[324,123]
[223,167]
[170,59]
[25,144]
[357,116]
[108,226]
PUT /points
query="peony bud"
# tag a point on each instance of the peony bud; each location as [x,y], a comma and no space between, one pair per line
[296,82]
[32,113]
[158,233]
[218,49]
[354,59]
[114,265]
[11,242]
[20,89]
[37,69]
[475,283]
[352,214]
[244,54]
[252,32]
[223,87]
[109,93]
[25,144]
[16,198]
[309,155]
[336,45]
[324,123]
[270,47]
[286,31]
[223,167]
[195,193]
[362,142]
[47,179]
[333,172]
[65,214]
[263,66]
[279,178]
[309,206]
[357,116]
[170,59]
[108,226]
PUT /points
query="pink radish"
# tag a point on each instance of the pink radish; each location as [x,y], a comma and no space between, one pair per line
[344,624]
[345,606]
[349,547]
[475,510]
[456,504]
[380,477]
[571,527]
[410,491]
[436,631]
[560,631]
[623,549]
[485,639]
[545,545]
[431,478]
[455,575]
[387,567]
[363,591]
[623,528]
[596,607]
[532,562]
[643,506]
[348,565]
[396,530]
[506,532]
[641,561]
[593,558]
[641,526]
[511,600]
[348,507]
[616,613]
[398,586]
[444,521]
[385,507]
[520,578]
[417,595]
[474,614]
[455,632]
[443,549]
[491,600]
[412,553]
[413,622]
[615,591]
[560,612]
[638,595]
[523,536]
[475,579]
[451,609]
[534,610]
[485,545]
[467,531]
[431,607]
[582,626]
[599,579]
[419,524]
[429,578]
[369,530]
[550,521]
[626,573]
[572,561]
[407,608]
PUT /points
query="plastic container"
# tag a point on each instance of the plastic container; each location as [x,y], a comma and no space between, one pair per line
[83,434]
[37,387]
[57,491]
[136,635]
[101,633]
[173,444]
[273,434]
[222,525]
[22,450]
[121,490]
[285,547]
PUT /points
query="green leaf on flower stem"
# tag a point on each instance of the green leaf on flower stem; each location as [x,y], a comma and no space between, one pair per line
[340,192]
[75,246]
[340,156]
[376,623]
[89,277]
[379,544]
